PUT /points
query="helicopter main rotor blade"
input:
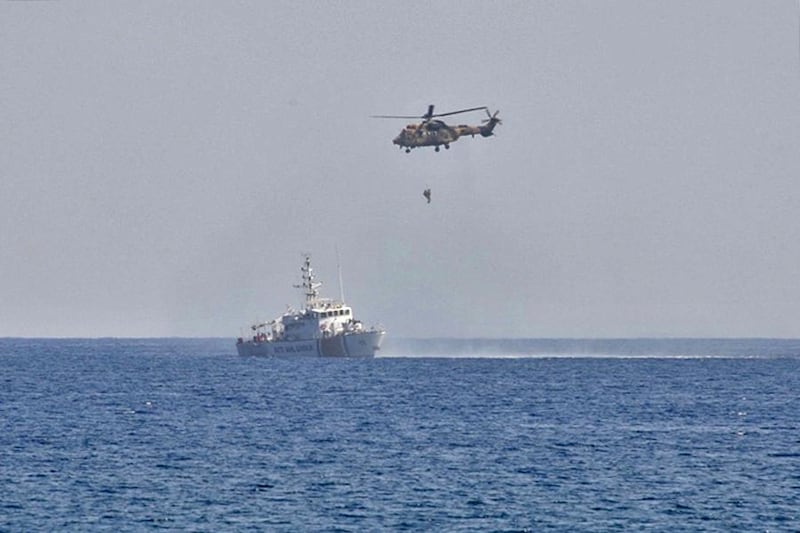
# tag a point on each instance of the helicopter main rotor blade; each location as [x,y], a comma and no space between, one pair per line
[396,116]
[429,115]
[461,111]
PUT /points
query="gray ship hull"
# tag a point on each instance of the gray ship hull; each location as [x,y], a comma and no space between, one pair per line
[361,344]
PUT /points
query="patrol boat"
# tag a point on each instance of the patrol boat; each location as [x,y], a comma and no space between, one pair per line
[323,328]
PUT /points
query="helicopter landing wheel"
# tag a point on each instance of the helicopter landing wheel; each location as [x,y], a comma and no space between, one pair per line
[437,148]
[408,150]
[446,146]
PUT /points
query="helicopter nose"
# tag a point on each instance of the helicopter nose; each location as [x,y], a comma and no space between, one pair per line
[396,140]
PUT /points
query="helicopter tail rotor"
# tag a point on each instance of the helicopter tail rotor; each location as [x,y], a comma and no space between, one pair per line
[487,130]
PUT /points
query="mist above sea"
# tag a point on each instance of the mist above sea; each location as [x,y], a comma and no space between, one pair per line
[605,347]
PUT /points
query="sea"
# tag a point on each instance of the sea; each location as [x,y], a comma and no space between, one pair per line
[433,435]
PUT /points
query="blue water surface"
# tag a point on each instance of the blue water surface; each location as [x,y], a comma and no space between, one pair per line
[182,434]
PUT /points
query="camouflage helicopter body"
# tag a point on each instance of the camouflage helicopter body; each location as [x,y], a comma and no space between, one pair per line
[434,132]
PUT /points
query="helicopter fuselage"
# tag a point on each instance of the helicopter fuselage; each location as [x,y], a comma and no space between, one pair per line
[436,133]
[415,135]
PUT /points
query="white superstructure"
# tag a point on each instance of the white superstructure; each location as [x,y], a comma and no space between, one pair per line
[323,328]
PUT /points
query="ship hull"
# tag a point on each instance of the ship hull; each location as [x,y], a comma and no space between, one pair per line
[363,344]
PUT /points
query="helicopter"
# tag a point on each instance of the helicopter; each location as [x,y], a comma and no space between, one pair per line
[434,132]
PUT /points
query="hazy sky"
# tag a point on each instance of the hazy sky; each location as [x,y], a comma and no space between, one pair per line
[163,165]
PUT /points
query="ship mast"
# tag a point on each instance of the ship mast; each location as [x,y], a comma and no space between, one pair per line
[309,286]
